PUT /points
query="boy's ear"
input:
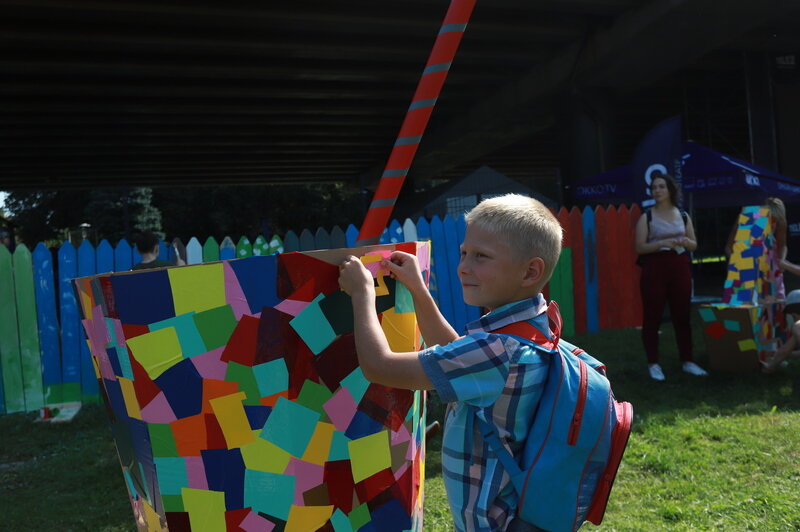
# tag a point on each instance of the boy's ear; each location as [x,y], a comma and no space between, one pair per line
[534,273]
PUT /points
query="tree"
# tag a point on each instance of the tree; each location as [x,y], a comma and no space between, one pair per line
[43,216]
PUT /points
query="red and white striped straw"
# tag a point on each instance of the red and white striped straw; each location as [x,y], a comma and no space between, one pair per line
[416,120]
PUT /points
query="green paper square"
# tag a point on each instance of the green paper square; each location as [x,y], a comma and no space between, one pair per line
[313,396]
[171,474]
[172,503]
[272,377]
[215,326]
[313,327]
[707,314]
[247,381]
[339,449]
[360,516]
[270,493]
[340,522]
[403,302]
[356,384]
[732,325]
[189,338]
[290,426]
[162,440]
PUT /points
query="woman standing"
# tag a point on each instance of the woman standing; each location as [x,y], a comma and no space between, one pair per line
[664,238]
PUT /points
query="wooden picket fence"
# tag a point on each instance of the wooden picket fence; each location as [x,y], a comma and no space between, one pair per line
[44,359]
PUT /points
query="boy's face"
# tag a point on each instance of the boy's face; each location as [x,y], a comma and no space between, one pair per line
[490,277]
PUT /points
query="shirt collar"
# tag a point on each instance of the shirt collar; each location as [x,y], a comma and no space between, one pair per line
[509,313]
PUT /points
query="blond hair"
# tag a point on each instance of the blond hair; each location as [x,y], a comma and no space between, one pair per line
[527,226]
[777,210]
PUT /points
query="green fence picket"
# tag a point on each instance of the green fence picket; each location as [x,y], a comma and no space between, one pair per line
[210,250]
[30,355]
[13,387]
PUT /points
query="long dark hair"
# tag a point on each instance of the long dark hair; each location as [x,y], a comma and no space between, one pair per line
[672,188]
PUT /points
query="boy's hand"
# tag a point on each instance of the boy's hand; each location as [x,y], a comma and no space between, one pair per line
[354,277]
[405,268]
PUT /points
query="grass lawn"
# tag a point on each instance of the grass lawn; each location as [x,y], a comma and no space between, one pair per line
[714,454]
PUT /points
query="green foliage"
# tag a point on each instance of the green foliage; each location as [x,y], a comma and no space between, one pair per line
[43,215]
[249,211]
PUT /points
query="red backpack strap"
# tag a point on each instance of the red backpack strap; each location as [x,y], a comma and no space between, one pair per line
[523,329]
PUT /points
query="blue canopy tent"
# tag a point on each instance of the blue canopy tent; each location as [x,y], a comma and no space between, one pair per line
[709,179]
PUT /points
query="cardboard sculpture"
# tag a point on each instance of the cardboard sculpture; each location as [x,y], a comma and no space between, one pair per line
[237,403]
[750,320]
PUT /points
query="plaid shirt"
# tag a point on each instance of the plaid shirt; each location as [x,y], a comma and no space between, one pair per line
[504,380]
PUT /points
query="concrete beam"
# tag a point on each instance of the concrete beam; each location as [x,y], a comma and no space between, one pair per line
[640,47]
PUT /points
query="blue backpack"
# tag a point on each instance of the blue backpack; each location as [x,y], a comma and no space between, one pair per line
[576,441]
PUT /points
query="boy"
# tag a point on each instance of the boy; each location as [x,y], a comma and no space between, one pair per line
[791,348]
[510,249]
[148,247]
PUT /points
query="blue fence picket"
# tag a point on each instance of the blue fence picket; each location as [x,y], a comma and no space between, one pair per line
[409,231]
[163,250]
[227,249]
[291,242]
[452,244]
[441,269]
[194,251]
[87,265]
[590,270]
[306,241]
[322,240]
[45,294]
[136,258]
[424,233]
[395,232]
[384,237]
[70,325]
[105,257]
[351,234]
[338,240]
[473,312]
[123,256]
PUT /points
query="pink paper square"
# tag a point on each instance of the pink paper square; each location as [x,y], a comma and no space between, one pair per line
[234,295]
[158,410]
[255,523]
[307,476]
[209,366]
[196,472]
[340,409]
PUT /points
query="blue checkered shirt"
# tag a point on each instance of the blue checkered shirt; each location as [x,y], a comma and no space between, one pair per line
[504,380]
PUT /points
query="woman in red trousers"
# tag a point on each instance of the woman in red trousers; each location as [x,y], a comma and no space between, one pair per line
[664,238]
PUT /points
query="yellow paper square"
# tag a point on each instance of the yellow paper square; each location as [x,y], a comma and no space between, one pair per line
[129,394]
[151,516]
[369,454]
[197,288]
[400,330]
[95,363]
[320,445]
[232,419]
[305,518]
[156,351]
[206,509]
[262,455]
[747,345]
